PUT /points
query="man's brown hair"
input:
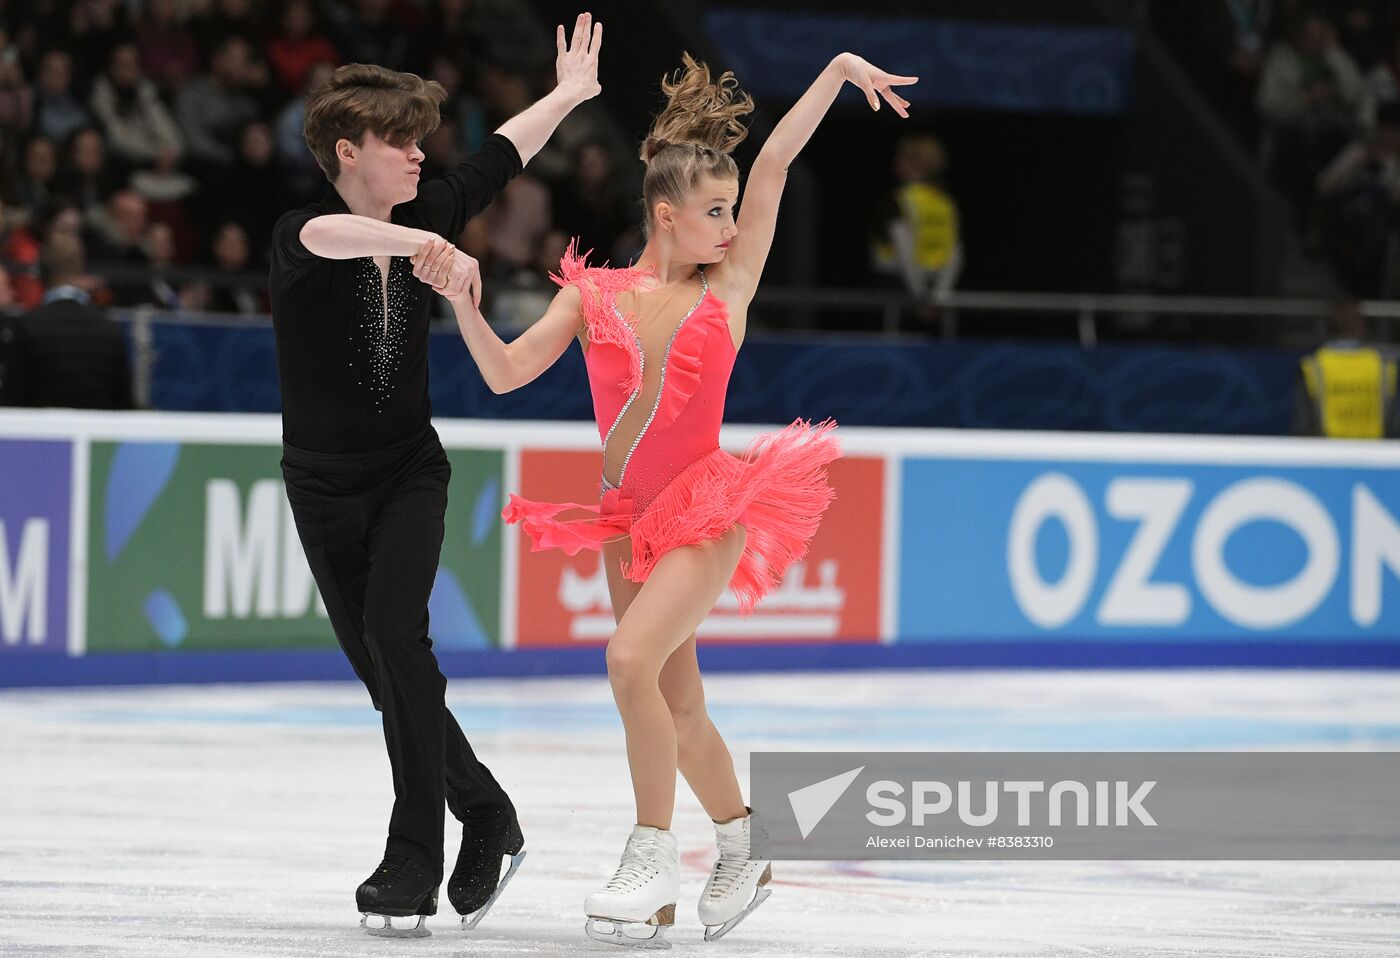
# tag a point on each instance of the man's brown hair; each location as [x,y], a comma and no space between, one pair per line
[61,258]
[360,97]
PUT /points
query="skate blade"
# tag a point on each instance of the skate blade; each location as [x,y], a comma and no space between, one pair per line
[713,932]
[628,934]
[470,921]
[382,926]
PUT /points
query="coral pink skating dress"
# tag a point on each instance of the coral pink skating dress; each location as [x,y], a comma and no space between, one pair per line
[658,377]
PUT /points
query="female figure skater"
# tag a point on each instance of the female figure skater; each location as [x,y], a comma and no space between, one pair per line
[680,520]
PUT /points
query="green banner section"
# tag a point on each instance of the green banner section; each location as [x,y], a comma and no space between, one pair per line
[192,546]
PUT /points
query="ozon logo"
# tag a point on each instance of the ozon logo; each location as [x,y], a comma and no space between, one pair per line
[1156,504]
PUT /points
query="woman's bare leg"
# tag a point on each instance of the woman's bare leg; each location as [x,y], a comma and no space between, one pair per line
[662,615]
[702,756]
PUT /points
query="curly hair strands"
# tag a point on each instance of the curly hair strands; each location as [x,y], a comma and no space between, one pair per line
[693,135]
[398,108]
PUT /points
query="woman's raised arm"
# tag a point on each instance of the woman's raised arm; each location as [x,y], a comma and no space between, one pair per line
[758,211]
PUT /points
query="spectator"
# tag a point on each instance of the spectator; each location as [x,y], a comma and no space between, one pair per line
[371,31]
[1360,193]
[464,110]
[140,131]
[594,205]
[232,255]
[1383,83]
[168,47]
[299,46]
[305,180]
[95,27]
[57,110]
[61,216]
[214,107]
[255,195]
[229,18]
[119,240]
[455,32]
[1360,26]
[16,96]
[919,240]
[1347,388]
[161,251]
[85,176]
[69,353]
[505,93]
[519,219]
[35,185]
[19,262]
[1310,96]
[119,232]
[442,149]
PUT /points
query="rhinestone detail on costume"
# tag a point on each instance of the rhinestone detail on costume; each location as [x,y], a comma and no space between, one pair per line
[660,389]
[384,326]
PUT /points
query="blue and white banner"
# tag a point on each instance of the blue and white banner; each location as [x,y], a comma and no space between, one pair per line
[1035,549]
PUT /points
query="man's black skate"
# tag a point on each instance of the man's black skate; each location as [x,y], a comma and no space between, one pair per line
[477,881]
[399,888]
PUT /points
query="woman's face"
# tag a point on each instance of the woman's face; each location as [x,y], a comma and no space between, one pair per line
[703,225]
[40,160]
[257,145]
[55,73]
[160,244]
[231,247]
[88,153]
[297,20]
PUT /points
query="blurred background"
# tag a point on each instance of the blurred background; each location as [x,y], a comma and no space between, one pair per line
[1187,195]
[1107,227]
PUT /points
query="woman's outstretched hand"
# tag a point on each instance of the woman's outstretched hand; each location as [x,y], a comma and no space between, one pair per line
[577,64]
[875,82]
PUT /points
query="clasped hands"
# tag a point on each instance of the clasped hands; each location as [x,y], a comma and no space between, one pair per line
[448,271]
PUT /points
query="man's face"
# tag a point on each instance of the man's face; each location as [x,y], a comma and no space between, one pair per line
[55,73]
[389,173]
[129,216]
[125,66]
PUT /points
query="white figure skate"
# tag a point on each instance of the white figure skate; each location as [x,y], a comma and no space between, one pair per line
[737,882]
[638,904]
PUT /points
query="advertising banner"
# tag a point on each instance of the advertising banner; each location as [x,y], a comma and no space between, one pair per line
[192,546]
[1007,549]
[833,595]
[35,500]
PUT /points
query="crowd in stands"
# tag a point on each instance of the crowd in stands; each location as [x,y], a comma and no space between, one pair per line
[1312,87]
[167,134]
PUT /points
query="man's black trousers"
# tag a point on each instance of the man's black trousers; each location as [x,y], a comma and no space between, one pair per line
[372,524]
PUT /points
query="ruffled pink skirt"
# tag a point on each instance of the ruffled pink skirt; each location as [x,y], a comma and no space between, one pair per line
[777,491]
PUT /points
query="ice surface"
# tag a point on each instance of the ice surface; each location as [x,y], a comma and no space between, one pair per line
[213,821]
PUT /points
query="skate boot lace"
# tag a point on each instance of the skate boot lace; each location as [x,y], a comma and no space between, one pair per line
[633,870]
[729,869]
[390,871]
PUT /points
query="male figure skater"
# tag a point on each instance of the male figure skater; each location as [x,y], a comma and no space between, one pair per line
[366,475]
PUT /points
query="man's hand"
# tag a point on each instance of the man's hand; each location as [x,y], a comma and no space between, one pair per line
[448,270]
[577,65]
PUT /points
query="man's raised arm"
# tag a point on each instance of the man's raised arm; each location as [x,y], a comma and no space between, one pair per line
[577,71]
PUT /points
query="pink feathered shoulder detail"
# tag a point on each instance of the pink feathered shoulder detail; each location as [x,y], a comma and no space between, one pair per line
[599,286]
